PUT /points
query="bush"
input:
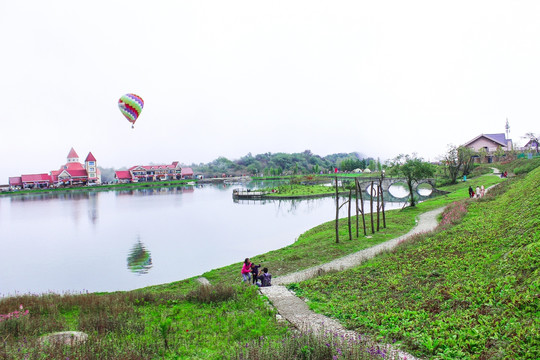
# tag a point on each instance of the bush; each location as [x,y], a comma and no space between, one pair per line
[212,293]
[527,167]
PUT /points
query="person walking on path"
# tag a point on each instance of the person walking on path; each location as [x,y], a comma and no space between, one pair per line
[482,191]
[478,191]
[246,271]
[471,192]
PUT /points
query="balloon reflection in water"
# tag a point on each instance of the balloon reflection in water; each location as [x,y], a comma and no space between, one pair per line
[139,260]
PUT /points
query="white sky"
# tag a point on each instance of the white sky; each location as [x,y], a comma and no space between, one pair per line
[224,78]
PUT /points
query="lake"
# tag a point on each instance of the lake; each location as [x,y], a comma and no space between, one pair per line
[123,240]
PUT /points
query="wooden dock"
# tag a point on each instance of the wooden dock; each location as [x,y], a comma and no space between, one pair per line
[248,194]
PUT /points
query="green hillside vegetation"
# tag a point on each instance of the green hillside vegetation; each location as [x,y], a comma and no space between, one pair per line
[468,291]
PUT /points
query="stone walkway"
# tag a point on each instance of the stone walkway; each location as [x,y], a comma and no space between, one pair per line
[296,311]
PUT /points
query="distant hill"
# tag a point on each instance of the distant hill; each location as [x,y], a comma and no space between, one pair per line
[282,164]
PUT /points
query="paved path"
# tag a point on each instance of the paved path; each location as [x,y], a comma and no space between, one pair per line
[296,311]
[426,222]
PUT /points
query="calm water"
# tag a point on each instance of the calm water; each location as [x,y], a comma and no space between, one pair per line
[122,240]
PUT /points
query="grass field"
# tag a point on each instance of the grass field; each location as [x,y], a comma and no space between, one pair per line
[470,291]
[183,320]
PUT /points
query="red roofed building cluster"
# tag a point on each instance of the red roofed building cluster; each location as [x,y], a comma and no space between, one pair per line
[72,173]
[143,173]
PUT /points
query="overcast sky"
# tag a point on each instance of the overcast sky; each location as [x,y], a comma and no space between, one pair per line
[225,78]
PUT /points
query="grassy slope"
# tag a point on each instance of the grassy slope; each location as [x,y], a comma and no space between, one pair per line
[468,292]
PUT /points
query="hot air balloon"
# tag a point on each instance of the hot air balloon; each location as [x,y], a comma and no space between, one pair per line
[131,106]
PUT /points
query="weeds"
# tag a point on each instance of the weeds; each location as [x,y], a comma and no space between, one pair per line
[211,294]
[314,347]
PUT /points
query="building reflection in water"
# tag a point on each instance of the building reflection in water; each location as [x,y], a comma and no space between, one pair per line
[93,208]
[139,260]
[156,191]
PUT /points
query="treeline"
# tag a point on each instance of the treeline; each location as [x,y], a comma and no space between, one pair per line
[276,164]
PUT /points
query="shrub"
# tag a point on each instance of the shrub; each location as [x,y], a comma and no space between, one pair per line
[527,167]
[212,293]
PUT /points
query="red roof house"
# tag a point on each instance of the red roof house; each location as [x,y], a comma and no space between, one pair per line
[187,173]
[15,181]
[39,180]
[73,172]
[123,176]
[137,173]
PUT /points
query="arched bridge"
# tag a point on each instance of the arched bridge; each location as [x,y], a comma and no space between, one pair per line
[387,182]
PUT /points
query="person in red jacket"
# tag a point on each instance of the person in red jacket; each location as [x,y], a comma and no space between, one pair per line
[246,271]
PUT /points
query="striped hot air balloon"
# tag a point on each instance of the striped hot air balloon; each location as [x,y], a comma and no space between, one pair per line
[131,106]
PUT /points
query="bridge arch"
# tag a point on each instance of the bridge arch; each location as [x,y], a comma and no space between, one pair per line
[365,183]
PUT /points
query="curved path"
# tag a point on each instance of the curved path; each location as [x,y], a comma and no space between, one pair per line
[296,311]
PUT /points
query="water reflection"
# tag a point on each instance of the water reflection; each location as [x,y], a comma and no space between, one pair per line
[156,191]
[78,200]
[93,214]
[75,195]
[139,260]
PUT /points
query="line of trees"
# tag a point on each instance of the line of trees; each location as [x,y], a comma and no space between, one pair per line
[277,164]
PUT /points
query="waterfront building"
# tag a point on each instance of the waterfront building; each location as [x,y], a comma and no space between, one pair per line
[71,173]
[144,173]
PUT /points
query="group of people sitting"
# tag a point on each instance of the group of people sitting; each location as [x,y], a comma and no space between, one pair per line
[252,273]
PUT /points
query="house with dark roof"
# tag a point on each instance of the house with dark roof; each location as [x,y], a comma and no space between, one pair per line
[531,145]
[144,173]
[71,173]
[490,143]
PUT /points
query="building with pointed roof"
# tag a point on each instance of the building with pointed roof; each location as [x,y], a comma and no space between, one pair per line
[71,173]
[490,143]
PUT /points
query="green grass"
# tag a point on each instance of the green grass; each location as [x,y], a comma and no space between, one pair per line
[184,320]
[301,190]
[470,291]
[207,323]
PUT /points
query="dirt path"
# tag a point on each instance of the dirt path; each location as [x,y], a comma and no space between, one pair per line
[296,311]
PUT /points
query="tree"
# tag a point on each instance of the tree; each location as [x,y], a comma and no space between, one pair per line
[466,157]
[499,153]
[253,169]
[482,152]
[458,158]
[413,169]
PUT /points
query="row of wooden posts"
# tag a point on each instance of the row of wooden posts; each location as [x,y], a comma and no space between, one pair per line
[360,209]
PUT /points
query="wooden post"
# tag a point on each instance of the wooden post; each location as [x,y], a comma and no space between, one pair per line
[371,208]
[378,208]
[362,209]
[382,202]
[350,196]
[337,213]
[356,189]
